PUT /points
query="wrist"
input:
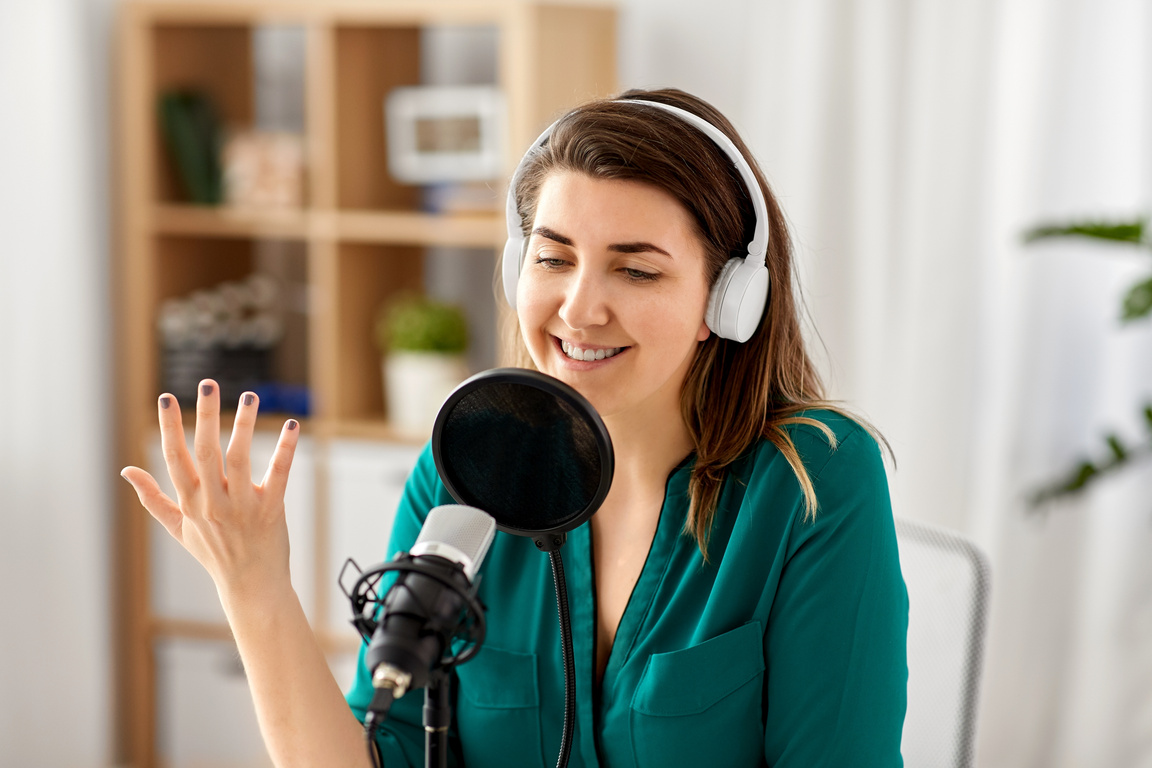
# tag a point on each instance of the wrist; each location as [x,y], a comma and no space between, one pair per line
[255,598]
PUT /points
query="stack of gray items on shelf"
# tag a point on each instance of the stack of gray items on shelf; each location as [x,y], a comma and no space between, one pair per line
[226,333]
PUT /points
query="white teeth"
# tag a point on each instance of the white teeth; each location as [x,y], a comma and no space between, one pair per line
[587,355]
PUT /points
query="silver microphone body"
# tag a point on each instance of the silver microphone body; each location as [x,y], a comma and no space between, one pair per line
[420,613]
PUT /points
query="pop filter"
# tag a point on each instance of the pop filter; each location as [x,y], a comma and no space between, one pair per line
[525,448]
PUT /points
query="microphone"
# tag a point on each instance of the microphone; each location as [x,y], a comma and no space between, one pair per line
[429,604]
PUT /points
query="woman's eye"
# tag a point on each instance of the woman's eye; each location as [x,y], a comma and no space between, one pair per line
[549,262]
[638,275]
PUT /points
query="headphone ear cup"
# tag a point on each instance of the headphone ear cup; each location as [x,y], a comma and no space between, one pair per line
[510,268]
[737,301]
[716,297]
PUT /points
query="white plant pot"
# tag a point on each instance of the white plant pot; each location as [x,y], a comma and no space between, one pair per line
[416,385]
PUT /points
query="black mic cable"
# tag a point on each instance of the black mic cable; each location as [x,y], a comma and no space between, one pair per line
[569,657]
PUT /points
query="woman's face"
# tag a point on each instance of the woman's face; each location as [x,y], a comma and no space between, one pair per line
[612,293]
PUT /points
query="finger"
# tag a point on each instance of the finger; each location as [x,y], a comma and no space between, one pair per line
[166,511]
[206,442]
[238,460]
[176,456]
[276,478]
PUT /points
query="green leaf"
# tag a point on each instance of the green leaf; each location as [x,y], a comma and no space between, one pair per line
[1085,472]
[1075,482]
[1138,301]
[1148,417]
[1119,452]
[1125,232]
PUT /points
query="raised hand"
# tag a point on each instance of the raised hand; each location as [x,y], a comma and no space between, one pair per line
[235,528]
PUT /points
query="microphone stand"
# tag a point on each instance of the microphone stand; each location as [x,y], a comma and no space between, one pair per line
[437,718]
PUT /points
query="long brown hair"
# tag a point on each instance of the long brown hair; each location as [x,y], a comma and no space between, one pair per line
[734,393]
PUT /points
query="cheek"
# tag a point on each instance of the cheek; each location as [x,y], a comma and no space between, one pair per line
[527,299]
[673,326]
[680,316]
[531,309]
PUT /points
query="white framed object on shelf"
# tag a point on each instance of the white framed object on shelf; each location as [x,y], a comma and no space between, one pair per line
[444,133]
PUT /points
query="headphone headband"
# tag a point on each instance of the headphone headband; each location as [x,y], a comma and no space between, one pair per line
[740,293]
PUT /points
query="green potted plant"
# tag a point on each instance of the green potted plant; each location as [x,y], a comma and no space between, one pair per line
[423,344]
[1136,305]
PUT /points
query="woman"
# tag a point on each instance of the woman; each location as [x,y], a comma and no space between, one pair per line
[737,600]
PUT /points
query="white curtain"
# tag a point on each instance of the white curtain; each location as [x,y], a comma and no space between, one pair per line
[911,144]
[56,469]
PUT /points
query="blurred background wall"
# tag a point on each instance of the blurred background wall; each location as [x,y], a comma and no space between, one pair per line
[911,144]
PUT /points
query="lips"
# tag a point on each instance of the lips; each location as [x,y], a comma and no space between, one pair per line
[588,354]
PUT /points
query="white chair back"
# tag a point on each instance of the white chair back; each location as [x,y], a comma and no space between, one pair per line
[948,584]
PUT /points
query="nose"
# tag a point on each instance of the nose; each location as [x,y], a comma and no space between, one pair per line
[585,301]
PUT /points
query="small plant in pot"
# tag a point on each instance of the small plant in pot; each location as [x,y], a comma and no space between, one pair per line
[423,343]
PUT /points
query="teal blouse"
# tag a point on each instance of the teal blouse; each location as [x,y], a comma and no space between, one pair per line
[786,649]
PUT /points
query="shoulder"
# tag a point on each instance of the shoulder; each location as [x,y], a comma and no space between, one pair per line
[843,463]
[830,445]
[424,479]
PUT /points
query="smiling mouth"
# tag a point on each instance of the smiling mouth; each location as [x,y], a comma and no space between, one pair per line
[573,352]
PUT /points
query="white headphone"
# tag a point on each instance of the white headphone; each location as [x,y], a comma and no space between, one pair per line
[736,302]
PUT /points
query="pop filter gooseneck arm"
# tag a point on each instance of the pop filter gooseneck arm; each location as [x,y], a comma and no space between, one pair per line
[532,452]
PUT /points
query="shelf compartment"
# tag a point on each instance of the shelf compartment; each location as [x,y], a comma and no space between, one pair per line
[369,63]
[186,264]
[366,277]
[250,84]
[215,60]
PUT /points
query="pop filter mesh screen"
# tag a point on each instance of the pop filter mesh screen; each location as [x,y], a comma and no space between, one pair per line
[525,456]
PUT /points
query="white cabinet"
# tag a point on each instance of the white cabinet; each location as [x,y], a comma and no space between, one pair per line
[366,480]
[204,712]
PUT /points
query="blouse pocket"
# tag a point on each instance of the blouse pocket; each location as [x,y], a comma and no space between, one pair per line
[498,710]
[702,705]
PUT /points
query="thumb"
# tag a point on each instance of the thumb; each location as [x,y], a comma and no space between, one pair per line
[166,511]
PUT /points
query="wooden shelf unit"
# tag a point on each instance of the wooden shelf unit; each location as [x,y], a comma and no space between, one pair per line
[362,234]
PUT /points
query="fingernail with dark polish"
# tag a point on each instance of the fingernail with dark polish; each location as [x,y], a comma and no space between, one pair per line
[248,399]
[165,402]
[292,424]
[205,389]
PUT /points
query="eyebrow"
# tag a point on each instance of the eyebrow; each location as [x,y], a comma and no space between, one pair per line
[636,247]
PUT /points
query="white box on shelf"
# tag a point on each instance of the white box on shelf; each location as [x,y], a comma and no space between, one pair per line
[445,133]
